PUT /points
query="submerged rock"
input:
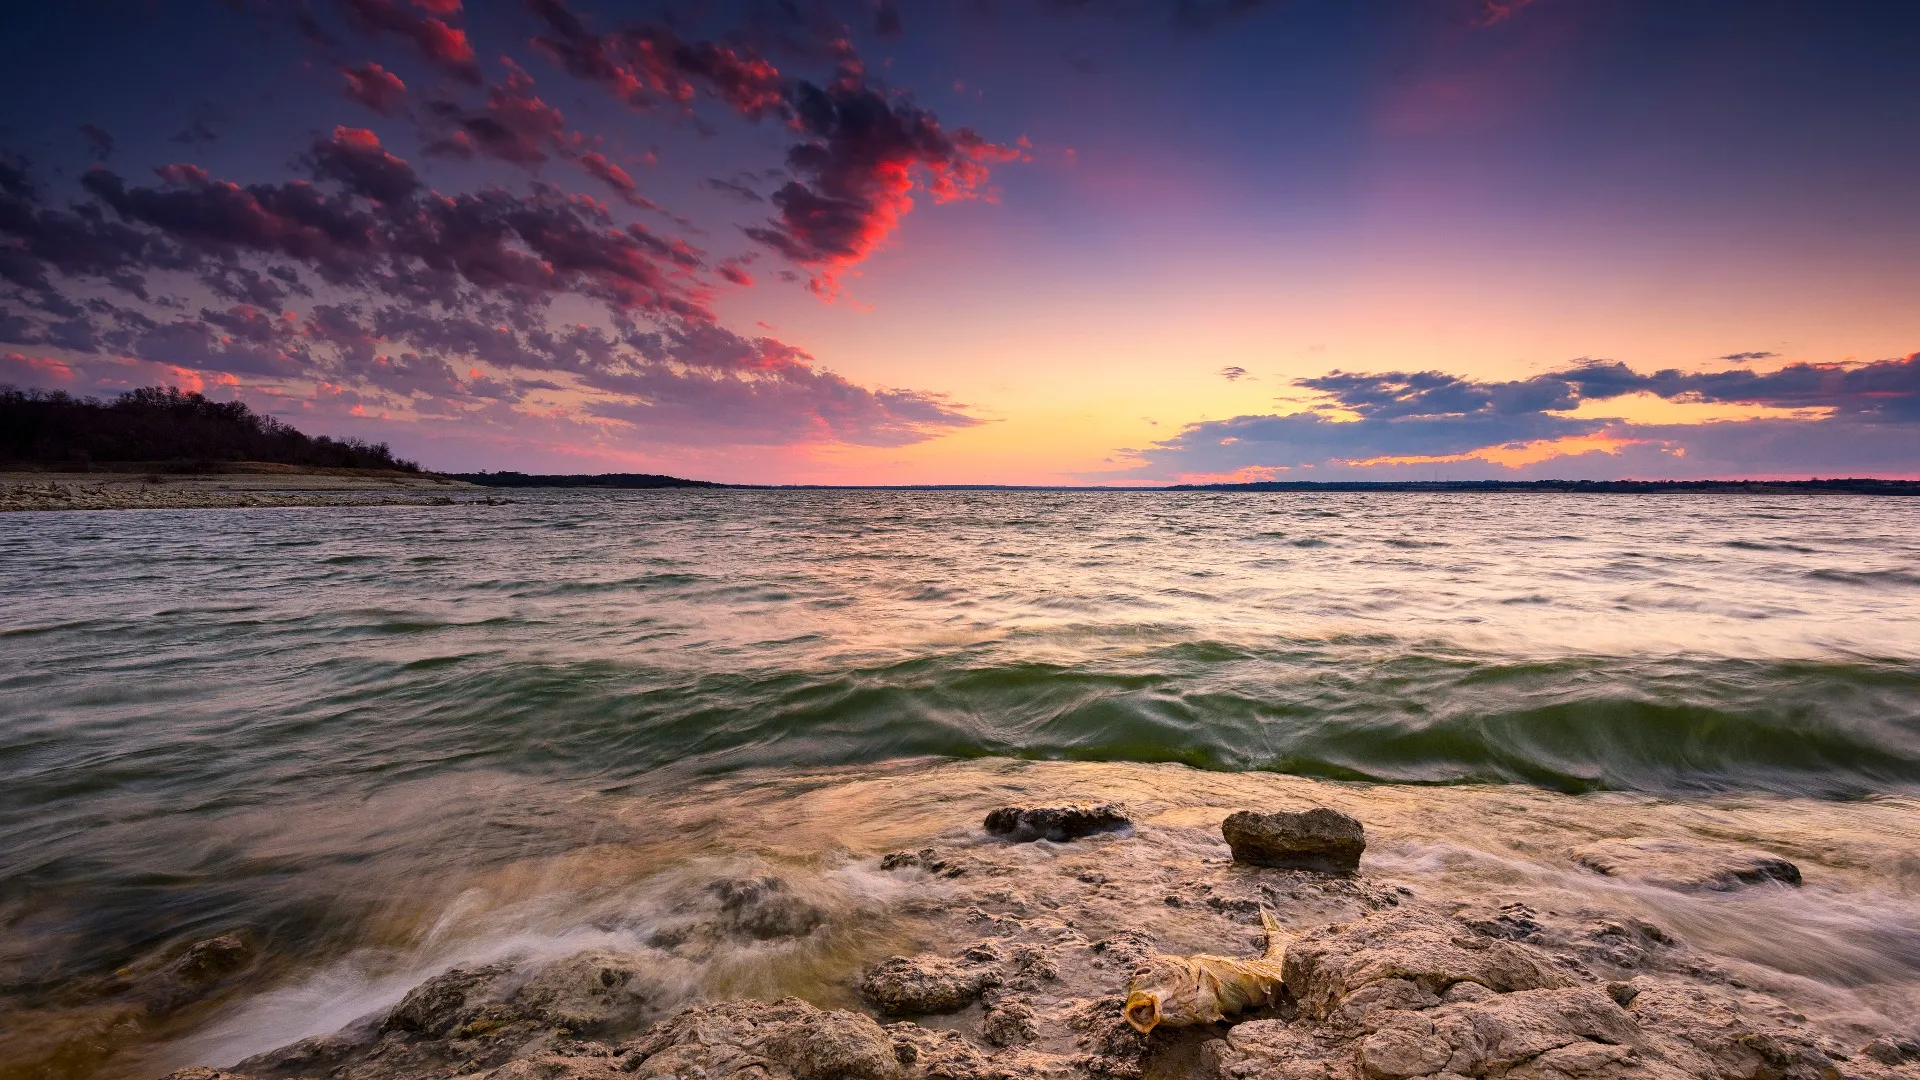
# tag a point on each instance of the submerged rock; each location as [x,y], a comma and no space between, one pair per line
[1318,839]
[1056,823]
[926,985]
[1684,864]
[927,859]
[764,908]
[196,975]
[211,959]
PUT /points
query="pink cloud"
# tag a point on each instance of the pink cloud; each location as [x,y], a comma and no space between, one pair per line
[375,87]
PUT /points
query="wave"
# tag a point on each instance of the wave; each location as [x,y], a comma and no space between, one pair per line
[1581,724]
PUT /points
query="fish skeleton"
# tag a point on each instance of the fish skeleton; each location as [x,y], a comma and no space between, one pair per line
[1179,991]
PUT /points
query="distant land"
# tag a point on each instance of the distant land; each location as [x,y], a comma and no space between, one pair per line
[1856,485]
[583,480]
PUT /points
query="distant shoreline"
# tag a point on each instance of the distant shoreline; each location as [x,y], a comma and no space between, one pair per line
[219,486]
[651,481]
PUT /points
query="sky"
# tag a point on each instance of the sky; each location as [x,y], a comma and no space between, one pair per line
[986,241]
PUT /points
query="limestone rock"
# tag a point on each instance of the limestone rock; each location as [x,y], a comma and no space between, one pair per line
[935,1053]
[1320,839]
[1009,1020]
[588,991]
[313,1056]
[1710,1033]
[764,908]
[1427,951]
[557,1067]
[752,1040]
[1056,823]
[927,859]
[446,1001]
[1685,864]
[1888,1050]
[926,985]
[1502,1033]
[1114,1048]
[211,959]
[1278,1050]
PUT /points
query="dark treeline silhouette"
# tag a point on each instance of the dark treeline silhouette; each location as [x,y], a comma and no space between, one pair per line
[158,424]
[576,480]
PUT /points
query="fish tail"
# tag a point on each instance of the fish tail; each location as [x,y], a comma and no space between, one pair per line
[1277,935]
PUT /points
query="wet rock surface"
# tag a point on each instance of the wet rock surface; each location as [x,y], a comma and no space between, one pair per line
[1056,823]
[923,985]
[788,1038]
[764,907]
[1319,839]
[1027,949]
[1685,864]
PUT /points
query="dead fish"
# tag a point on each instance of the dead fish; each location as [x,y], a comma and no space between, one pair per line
[1179,991]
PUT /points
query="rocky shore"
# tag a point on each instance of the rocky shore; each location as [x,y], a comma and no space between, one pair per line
[284,486]
[1044,915]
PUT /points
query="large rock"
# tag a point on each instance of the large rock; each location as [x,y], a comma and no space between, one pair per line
[1319,839]
[448,1000]
[926,985]
[1552,1033]
[1685,864]
[1712,1032]
[1406,957]
[590,991]
[752,1040]
[1056,823]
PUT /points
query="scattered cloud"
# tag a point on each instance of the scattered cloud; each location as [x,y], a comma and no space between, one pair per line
[864,156]
[1863,417]
[439,307]
[863,151]
[733,188]
[439,43]
[375,87]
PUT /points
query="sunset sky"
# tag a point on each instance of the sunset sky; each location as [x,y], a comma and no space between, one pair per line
[993,241]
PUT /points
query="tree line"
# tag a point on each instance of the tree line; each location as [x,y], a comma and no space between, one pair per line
[165,424]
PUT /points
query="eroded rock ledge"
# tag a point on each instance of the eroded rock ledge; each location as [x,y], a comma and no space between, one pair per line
[1379,985]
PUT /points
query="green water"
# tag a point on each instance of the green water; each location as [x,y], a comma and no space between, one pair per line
[171,681]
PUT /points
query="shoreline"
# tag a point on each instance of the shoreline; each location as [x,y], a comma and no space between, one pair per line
[693,905]
[236,488]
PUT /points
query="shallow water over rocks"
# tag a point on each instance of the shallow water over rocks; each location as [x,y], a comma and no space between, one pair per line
[1841,951]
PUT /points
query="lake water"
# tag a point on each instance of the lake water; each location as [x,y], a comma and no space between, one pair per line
[318,725]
